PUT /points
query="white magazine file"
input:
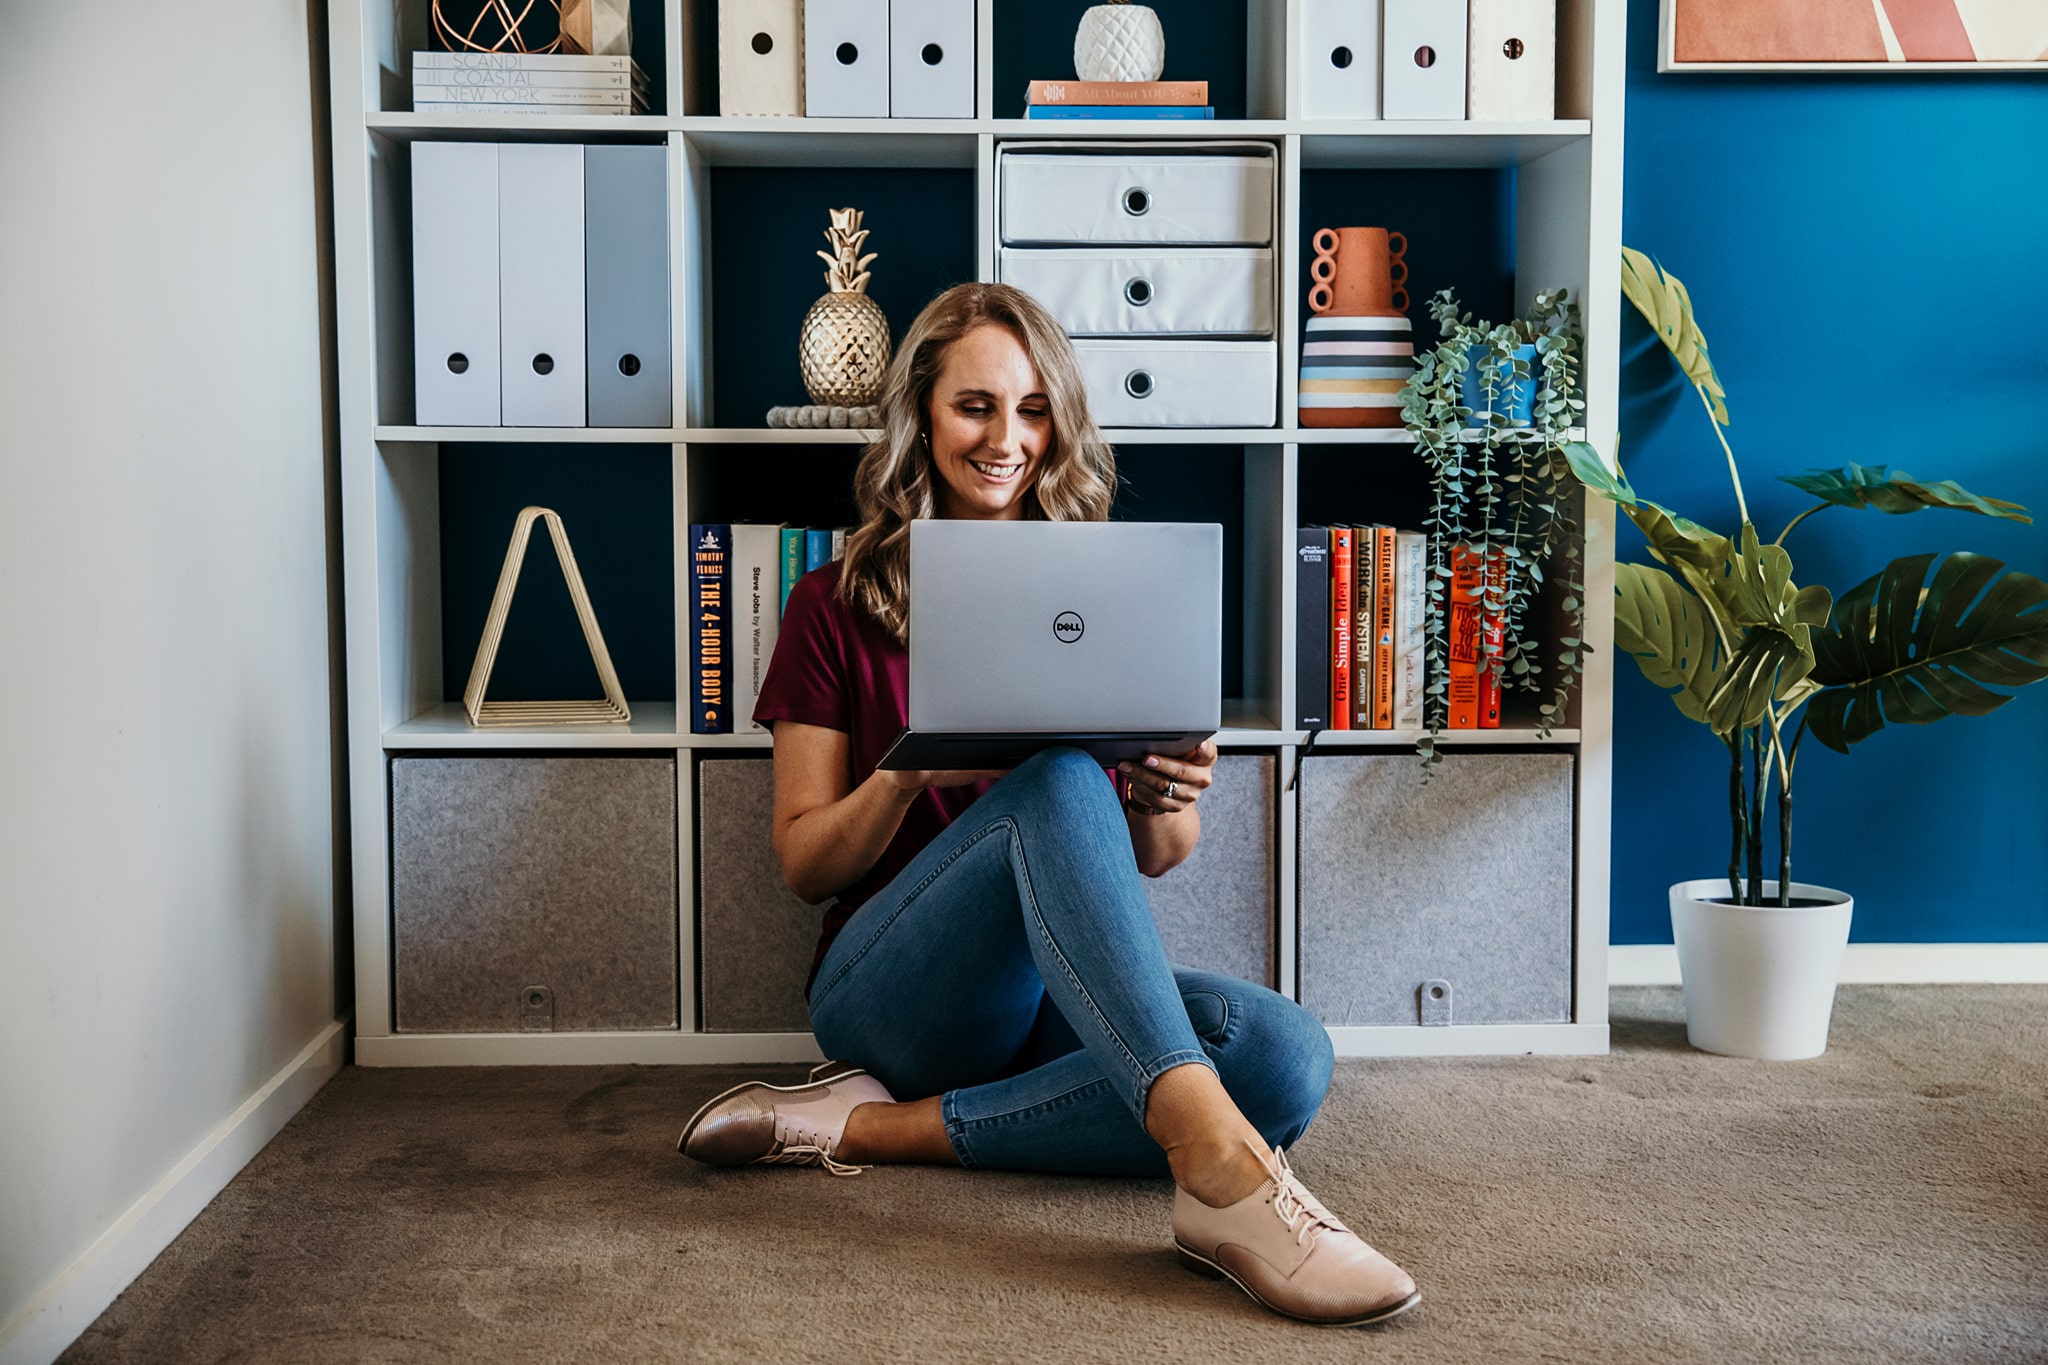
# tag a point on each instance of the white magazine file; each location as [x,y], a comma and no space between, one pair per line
[1339,49]
[1424,46]
[846,58]
[1513,73]
[931,58]
[455,283]
[760,57]
[541,284]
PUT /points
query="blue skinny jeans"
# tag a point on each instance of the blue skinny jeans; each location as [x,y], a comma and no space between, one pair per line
[1014,970]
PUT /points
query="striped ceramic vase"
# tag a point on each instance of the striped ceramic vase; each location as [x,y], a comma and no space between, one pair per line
[1360,349]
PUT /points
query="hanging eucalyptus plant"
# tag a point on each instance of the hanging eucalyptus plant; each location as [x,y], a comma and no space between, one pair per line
[1503,489]
[1761,661]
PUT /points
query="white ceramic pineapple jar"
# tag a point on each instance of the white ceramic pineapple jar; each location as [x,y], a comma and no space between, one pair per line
[1119,42]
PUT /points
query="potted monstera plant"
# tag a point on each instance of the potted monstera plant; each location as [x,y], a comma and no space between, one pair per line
[1720,625]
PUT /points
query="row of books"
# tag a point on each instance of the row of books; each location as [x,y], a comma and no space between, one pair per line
[740,577]
[526,82]
[1361,661]
[1168,100]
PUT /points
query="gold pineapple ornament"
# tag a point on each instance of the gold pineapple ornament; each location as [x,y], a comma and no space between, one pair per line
[845,344]
[1119,42]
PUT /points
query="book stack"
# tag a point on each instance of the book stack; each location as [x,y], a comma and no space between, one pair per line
[1361,593]
[527,83]
[740,577]
[1118,100]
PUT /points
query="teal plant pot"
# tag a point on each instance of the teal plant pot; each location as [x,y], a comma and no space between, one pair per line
[1513,399]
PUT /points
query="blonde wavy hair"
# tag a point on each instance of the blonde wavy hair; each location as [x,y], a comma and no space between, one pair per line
[896,482]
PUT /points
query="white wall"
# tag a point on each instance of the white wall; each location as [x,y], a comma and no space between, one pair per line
[167,894]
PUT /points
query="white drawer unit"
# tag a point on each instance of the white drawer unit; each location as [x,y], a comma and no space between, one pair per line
[1180,383]
[1203,194]
[1159,291]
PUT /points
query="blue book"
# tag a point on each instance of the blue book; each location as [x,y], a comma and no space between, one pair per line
[817,549]
[1116,111]
[792,560]
[711,671]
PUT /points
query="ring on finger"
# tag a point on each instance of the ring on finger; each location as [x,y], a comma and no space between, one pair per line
[1171,787]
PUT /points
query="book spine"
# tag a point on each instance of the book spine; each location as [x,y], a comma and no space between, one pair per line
[515,107]
[817,549]
[1361,627]
[519,94]
[757,572]
[1383,553]
[520,61]
[710,629]
[1312,624]
[1411,589]
[838,544]
[792,560]
[1117,92]
[501,78]
[1164,112]
[1461,630]
[1341,571]
[1490,622]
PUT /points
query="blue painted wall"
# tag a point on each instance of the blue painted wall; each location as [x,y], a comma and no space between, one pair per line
[1868,258]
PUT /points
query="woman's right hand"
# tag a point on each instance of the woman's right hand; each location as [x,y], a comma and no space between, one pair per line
[912,782]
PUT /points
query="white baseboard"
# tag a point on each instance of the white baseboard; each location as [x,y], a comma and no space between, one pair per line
[55,1316]
[1656,964]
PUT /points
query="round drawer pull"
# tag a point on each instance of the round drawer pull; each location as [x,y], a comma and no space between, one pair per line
[1138,292]
[1137,201]
[1138,383]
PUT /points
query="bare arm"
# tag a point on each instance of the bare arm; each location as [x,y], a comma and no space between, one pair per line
[828,832]
[1164,828]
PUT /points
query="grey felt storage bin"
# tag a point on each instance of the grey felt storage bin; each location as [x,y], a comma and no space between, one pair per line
[756,939]
[1464,883]
[533,894]
[1217,910]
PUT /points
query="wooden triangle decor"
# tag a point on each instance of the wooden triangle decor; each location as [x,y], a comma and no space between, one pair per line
[611,711]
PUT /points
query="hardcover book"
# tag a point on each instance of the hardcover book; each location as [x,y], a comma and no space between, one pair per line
[792,559]
[1117,92]
[1383,557]
[1461,638]
[1411,588]
[1173,112]
[757,578]
[1312,627]
[1341,583]
[1362,547]
[710,629]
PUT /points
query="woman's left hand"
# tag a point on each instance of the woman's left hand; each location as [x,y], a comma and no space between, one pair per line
[1163,785]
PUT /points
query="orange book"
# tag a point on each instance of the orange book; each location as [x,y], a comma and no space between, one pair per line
[1490,665]
[1461,643]
[1118,92]
[1361,627]
[1383,627]
[1340,627]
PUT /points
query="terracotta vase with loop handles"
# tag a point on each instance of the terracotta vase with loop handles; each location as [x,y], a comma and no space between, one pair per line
[1360,348]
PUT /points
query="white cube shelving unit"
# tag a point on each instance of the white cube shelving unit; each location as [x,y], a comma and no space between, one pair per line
[1566,177]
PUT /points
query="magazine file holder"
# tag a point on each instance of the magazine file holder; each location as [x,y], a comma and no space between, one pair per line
[611,711]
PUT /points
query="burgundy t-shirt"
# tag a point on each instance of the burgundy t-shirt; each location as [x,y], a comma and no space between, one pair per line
[835,666]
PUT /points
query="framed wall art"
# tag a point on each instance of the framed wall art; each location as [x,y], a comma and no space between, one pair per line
[1853,35]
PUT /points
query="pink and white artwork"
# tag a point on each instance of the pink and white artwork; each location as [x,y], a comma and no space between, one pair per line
[1853,35]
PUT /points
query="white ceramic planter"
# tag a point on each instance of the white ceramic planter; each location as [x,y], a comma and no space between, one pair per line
[1759,980]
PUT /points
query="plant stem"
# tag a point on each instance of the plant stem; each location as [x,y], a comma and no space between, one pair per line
[1738,816]
[1760,784]
[1817,507]
[1741,504]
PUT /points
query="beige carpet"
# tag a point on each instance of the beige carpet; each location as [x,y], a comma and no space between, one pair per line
[1886,1202]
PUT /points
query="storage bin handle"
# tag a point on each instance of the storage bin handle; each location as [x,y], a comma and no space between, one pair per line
[1137,201]
[1138,291]
[1138,384]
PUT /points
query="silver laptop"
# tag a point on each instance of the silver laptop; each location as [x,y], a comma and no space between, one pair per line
[1029,634]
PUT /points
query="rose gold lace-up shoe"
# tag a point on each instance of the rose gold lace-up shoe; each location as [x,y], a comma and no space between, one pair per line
[1290,1253]
[795,1125]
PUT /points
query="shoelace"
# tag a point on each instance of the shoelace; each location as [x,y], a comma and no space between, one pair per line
[810,1151]
[1305,1217]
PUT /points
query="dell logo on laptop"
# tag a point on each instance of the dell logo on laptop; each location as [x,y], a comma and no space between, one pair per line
[1067,627]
